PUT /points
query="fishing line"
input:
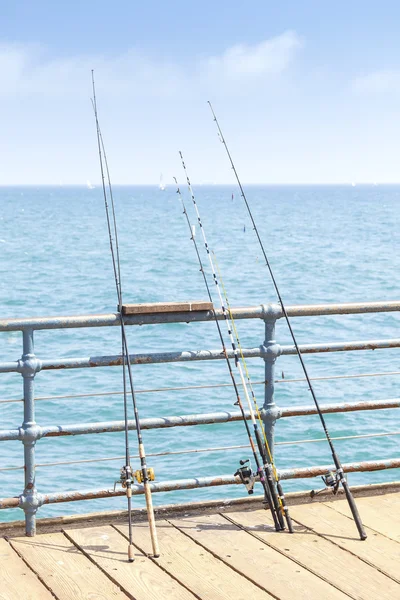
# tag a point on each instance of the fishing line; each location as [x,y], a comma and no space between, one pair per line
[339,469]
[126,471]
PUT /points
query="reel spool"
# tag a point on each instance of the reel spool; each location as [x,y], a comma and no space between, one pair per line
[125,476]
[331,481]
[138,475]
[246,475]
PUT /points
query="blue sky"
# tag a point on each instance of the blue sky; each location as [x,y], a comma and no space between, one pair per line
[305,92]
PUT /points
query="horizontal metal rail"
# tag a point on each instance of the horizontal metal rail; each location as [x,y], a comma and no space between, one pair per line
[197,355]
[263,311]
[201,482]
[188,420]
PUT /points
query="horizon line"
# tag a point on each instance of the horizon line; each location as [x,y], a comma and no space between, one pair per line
[206,183]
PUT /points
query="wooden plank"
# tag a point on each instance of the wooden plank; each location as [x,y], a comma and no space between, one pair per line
[197,569]
[275,573]
[317,554]
[143,579]
[64,569]
[380,513]
[166,307]
[377,549]
[16,579]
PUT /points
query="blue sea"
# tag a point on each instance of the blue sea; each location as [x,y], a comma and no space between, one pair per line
[325,243]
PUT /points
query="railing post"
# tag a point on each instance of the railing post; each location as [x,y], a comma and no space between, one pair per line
[271,350]
[28,366]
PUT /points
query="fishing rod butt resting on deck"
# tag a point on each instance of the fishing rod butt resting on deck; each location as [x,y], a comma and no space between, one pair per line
[338,466]
[144,475]
[244,472]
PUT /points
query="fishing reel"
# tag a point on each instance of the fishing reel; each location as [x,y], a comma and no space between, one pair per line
[138,475]
[246,475]
[331,481]
[127,476]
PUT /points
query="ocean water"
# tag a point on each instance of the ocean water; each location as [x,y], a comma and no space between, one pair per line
[325,243]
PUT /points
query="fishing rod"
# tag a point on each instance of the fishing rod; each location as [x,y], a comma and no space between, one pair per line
[339,478]
[145,474]
[267,455]
[244,471]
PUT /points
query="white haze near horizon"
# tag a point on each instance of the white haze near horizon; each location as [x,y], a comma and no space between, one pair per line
[284,122]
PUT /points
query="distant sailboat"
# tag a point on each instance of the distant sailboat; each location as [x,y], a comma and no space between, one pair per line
[89,185]
[353,184]
[162,184]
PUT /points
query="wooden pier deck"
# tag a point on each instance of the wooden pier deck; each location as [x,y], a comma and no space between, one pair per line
[231,554]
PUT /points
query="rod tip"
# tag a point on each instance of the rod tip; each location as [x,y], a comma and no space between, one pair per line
[156,556]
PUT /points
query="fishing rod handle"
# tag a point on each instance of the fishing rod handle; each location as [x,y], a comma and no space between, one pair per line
[285,507]
[268,495]
[270,478]
[353,508]
[349,495]
[151,519]
[131,549]
[131,553]
[275,498]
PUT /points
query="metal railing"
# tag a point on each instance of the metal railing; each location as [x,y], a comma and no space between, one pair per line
[29,365]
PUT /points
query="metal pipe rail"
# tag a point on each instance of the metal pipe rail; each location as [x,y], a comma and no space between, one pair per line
[29,365]
[200,482]
[190,420]
[196,355]
[271,311]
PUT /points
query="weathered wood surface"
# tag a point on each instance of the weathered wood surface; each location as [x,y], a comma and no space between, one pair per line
[64,569]
[377,550]
[107,548]
[321,557]
[165,307]
[16,578]
[277,574]
[193,566]
[380,513]
[231,556]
